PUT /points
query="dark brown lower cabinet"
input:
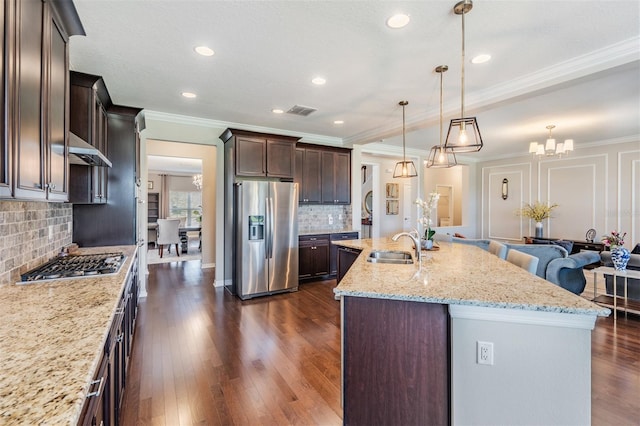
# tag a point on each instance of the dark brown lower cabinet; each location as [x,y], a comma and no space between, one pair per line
[313,256]
[346,256]
[396,362]
[106,394]
[97,399]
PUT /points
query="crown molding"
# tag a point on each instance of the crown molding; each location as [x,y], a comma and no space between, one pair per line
[613,141]
[217,124]
[611,56]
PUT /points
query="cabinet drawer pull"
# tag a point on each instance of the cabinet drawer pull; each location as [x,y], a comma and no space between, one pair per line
[100,388]
[120,338]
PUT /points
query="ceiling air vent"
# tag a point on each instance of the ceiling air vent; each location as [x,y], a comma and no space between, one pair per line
[301,110]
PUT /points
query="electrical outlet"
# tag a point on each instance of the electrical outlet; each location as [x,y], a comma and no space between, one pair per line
[340,216]
[330,220]
[484,353]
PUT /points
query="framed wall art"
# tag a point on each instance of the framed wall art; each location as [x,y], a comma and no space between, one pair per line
[392,207]
[392,190]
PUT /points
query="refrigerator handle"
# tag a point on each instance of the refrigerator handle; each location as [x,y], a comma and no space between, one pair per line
[270,227]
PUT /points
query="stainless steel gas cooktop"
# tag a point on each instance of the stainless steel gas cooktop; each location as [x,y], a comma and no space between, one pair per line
[76,266]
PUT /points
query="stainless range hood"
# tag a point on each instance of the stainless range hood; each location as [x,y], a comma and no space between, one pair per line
[80,152]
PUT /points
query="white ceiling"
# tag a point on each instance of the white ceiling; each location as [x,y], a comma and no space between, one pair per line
[575,64]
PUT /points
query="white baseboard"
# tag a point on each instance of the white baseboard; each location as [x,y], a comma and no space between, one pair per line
[208,265]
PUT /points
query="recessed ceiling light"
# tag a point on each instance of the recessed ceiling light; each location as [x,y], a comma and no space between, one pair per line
[481,59]
[189,95]
[204,50]
[319,81]
[338,122]
[398,21]
[277,111]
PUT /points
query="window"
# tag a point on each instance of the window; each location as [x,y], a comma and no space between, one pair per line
[187,204]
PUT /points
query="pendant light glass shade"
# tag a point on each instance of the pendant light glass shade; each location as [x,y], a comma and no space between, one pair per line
[439,157]
[404,168]
[464,134]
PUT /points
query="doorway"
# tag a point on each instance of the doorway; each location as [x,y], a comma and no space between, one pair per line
[174,187]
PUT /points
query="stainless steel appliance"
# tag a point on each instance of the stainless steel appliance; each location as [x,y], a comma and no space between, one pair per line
[76,266]
[266,238]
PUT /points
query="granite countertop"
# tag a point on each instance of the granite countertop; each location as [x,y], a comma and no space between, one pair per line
[456,274]
[316,231]
[52,336]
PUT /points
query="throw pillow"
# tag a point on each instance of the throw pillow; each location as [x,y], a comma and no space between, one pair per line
[636,249]
[536,241]
[567,245]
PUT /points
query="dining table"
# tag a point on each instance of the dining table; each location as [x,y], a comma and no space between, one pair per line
[184,240]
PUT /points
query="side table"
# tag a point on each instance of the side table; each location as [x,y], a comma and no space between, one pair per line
[613,301]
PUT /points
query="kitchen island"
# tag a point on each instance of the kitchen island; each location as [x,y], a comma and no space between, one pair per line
[52,337]
[411,338]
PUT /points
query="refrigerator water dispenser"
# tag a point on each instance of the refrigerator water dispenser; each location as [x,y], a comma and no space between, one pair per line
[256,227]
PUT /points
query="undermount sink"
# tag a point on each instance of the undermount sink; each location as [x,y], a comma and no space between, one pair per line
[390,256]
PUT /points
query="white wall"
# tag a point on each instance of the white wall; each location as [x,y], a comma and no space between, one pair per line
[596,187]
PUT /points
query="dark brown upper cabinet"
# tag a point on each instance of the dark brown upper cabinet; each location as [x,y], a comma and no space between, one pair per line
[89,121]
[324,174]
[336,177]
[309,174]
[6,32]
[35,64]
[260,155]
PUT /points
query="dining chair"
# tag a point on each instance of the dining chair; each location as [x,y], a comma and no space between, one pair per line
[168,234]
[498,249]
[525,261]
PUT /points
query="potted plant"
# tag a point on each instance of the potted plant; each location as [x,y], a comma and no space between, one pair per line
[619,254]
[537,211]
[427,207]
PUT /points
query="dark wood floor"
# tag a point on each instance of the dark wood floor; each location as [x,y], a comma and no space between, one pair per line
[201,356]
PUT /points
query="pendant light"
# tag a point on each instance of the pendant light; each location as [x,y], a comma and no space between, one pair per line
[404,168]
[439,157]
[463,134]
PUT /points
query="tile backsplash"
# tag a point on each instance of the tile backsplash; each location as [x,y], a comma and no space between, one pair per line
[324,218]
[31,233]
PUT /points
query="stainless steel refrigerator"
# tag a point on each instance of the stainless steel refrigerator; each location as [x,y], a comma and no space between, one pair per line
[266,237]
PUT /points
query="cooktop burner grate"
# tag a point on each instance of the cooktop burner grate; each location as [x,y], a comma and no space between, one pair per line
[74,266]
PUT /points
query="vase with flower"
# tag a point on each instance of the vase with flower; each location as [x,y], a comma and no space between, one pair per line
[427,207]
[619,255]
[537,211]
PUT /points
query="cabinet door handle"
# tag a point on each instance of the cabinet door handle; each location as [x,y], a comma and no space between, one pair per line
[100,388]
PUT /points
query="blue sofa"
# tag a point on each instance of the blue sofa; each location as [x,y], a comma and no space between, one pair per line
[557,266]
[554,265]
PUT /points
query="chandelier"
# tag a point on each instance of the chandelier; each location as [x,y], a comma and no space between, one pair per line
[551,148]
[197,181]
